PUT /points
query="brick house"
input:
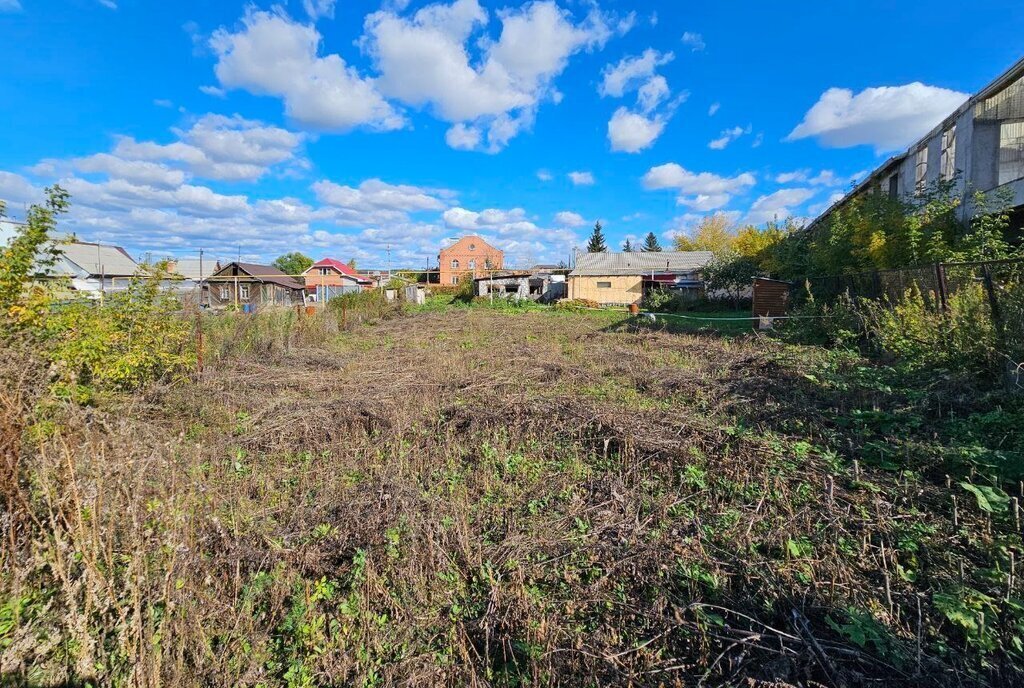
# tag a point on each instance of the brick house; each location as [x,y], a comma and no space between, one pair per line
[329,277]
[470,255]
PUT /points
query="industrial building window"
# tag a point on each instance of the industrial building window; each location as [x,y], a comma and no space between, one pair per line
[243,291]
[604,285]
[1011,151]
[920,169]
[947,161]
[455,264]
[894,186]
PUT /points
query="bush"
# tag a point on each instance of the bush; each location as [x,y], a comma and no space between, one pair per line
[668,301]
[135,337]
[131,339]
[576,305]
[909,329]
[364,306]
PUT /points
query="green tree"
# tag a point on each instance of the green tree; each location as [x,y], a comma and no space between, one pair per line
[31,250]
[651,244]
[627,247]
[293,263]
[596,243]
[351,263]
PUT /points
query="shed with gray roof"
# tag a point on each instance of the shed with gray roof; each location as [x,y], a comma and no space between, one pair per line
[619,278]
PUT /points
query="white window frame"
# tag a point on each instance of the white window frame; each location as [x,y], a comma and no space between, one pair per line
[1011,151]
[947,159]
[472,265]
[920,168]
[243,292]
[604,285]
[225,292]
[455,263]
[455,279]
[325,271]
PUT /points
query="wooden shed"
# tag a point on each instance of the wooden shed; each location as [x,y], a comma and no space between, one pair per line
[771,300]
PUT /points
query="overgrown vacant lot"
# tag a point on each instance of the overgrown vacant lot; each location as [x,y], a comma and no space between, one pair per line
[474,497]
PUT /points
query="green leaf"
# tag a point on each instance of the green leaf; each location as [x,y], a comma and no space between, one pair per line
[990,499]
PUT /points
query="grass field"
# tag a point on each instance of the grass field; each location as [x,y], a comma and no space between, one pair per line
[477,496]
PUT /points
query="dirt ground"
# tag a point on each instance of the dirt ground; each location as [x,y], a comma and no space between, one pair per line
[484,498]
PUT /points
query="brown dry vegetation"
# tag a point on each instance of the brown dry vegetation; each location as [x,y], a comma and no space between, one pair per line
[481,498]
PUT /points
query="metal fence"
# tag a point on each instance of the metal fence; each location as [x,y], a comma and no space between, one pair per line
[989,293]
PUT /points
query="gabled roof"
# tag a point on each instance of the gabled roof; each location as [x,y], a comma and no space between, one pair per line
[261,273]
[97,259]
[189,268]
[340,267]
[639,263]
[472,239]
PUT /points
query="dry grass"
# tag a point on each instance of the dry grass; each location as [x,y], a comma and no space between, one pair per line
[479,498]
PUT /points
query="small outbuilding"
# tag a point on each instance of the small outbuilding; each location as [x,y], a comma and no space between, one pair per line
[621,279]
[544,287]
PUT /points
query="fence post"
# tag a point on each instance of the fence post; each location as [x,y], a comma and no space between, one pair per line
[940,281]
[993,302]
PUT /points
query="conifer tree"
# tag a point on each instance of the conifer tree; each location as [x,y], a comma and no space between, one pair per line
[596,243]
[651,243]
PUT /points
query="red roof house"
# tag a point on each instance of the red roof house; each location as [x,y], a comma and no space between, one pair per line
[332,277]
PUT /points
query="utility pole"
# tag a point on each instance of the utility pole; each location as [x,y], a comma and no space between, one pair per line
[200,278]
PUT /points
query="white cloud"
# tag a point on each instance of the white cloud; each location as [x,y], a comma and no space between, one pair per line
[652,93]
[424,61]
[582,178]
[728,136]
[544,175]
[376,195]
[10,6]
[109,4]
[468,220]
[630,72]
[219,147]
[631,132]
[213,91]
[134,171]
[674,176]
[318,8]
[887,117]
[694,40]
[822,178]
[523,241]
[713,108]
[16,189]
[758,140]
[186,199]
[567,218]
[463,137]
[273,55]
[163,102]
[705,202]
[777,205]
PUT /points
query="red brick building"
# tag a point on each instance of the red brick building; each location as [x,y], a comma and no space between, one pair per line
[470,255]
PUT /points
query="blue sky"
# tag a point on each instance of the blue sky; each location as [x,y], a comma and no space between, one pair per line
[340,130]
